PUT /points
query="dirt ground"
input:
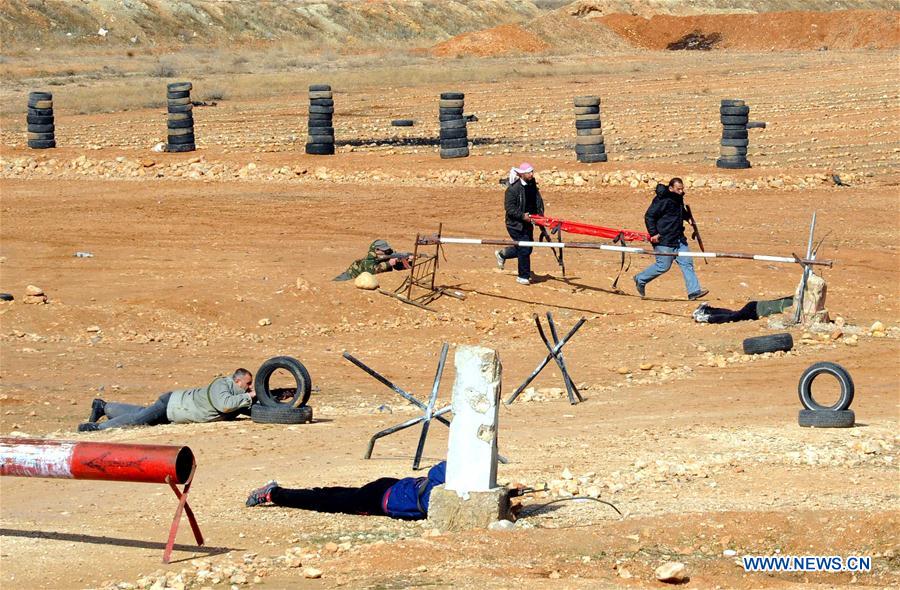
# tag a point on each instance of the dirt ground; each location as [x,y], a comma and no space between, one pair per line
[696,444]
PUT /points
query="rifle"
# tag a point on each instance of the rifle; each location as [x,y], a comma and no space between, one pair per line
[396,259]
[696,233]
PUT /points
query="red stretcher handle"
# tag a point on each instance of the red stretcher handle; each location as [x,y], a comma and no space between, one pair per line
[590,230]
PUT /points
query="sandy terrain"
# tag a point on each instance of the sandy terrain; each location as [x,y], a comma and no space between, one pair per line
[697,444]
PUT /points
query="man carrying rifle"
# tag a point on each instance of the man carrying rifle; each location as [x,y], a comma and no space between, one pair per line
[665,223]
[380,258]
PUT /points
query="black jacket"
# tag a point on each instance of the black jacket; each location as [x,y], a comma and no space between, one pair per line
[666,216]
[515,200]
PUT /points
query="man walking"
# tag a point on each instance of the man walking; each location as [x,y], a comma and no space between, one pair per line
[522,200]
[665,223]
[224,398]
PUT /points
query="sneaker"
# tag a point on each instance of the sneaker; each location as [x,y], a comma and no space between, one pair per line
[88,427]
[700,314]
[98,410]
[639,287]
[522,281]
[501,261]
[262,495]
[698,294]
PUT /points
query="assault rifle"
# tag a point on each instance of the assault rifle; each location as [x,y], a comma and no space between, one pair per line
[696,233]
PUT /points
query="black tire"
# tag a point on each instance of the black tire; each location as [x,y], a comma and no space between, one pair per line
[296,369]
[281,415]
[734,120]
[39,120]
[321,117]
[592,158]
[457,103]
[39,95]
[735,133]
[769,343]
[177,102]
[742,111]
[454,133]
[589,132]
[322,110]
[594,117]
[452,96]
[587,110]
[40,136]
[40,112]
[595,148]
[455,153]
[6,297]
[179,87]
[756,124]
[322,102]
[826,418]
[180,147]
[179,94]
[453,124]
[321,139]
[180,108]
[732,164]
[320,87]
[732,102]
[320,149]
[445,118]
[451,111]
[587,101]
[181,139]
[402,123]
[34,128]
[804,388]
[181,124]
[587,124]
[41,144]
[320,94]
[320,130]
[450,144]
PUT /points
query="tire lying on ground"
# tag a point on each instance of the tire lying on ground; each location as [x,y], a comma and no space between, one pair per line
[280,415]
[804,388]
[770,343]
[402,122]
[297,371]
[826,418]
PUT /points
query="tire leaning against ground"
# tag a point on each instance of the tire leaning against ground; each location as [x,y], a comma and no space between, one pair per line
[6,297]
[453,124]
[320,87]
[804,388]
[734,120]
[402,123]
[587,101]
[280,415]
[734,111]
[182,147]
[592,158]
[452,96]
[451,104]
[735,133]
[34,128]
[769,343]
[320,149]
[449,144]
[295,368]
[732,164]
[41,144]
[756,124]
[587,124]
[455,152]
[826,418]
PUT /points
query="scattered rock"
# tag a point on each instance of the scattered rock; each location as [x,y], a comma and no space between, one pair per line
[265,322]
[312,573]
[33,290]
[673,572]
[366,281]
[502,525]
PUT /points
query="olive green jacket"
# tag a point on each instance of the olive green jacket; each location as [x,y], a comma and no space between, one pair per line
[207,404]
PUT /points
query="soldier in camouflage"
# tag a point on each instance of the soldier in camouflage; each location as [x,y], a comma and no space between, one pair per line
[380,258]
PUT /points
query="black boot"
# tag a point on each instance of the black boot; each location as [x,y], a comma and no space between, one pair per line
[88,427]
[98,410]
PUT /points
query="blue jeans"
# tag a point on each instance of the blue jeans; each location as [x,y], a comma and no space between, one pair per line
[664,263]
[130,415]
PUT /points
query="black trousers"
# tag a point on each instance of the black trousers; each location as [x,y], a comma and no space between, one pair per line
[522,253]
[719,315]
[364,500]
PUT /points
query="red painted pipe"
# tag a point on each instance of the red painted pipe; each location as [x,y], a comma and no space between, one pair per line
[34,457]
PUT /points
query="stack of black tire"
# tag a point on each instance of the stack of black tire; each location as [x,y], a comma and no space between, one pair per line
[454,134]
[734,114]
[282,406]
[321,124]
[589,146]
[181,118]
[41,130]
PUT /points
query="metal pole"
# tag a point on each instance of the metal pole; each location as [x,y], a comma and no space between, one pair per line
[798,305]
[544,362]
[629,249]
[426,419]
[562,363]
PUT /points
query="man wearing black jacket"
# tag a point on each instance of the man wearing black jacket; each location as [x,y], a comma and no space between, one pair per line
[665,223]
[523,199]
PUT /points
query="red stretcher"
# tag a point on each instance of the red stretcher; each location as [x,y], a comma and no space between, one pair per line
[575,227]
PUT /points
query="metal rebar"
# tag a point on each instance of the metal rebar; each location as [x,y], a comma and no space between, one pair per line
[544,362]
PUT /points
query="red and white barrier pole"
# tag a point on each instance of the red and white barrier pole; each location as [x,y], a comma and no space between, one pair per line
[28,457]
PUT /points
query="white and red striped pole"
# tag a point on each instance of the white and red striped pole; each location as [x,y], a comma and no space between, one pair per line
[431,240]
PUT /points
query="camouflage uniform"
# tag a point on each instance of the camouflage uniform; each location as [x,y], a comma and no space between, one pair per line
[369,263]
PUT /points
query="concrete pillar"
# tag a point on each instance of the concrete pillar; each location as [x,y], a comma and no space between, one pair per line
[470,498]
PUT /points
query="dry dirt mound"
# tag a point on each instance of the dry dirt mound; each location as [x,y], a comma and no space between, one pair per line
[495,41]
[852,29]
[648,8]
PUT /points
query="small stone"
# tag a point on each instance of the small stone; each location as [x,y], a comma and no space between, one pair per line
[624,573]
[331,547]
[265,322]
[502,525]
[646,366]
[33,290]
[877,327]
[367,281]
[622,371]
[422,569]
[555,575]
[312,573]
[93,328]
[673,572]
[729,553]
